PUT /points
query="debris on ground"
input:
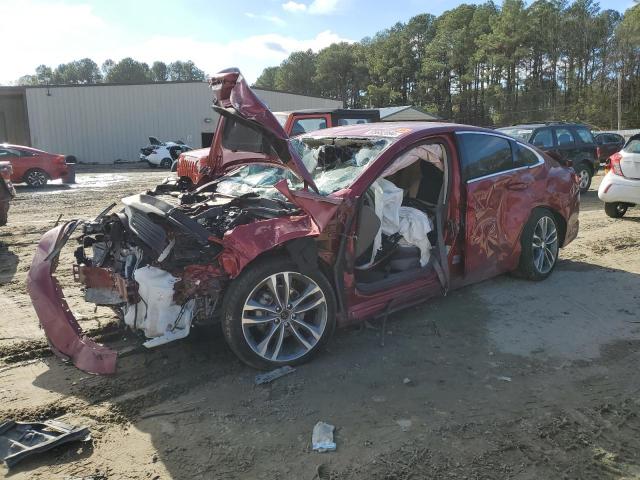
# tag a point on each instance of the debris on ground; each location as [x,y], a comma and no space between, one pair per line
[19,440]
[404,424]
[504,379]
[322,438]
[407,381]
[269,377]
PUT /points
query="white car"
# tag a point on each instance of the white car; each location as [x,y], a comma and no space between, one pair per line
[162,154]
[620,188]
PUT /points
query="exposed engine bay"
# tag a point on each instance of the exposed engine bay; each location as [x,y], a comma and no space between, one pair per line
[156,262]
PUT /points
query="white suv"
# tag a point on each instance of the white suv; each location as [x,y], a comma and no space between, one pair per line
[620,188]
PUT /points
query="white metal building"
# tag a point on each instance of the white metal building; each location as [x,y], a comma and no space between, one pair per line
[105,122]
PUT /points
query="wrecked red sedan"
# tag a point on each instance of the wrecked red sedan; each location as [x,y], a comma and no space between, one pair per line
[315,232]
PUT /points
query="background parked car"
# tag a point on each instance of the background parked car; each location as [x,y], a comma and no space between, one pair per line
[7,192]
[620,188]
[573,143]
[162,154]
[35,167]
[608,143]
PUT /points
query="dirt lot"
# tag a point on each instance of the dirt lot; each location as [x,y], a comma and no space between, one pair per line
[507,379]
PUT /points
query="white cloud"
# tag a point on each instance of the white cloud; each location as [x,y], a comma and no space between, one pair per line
[269,18]
[80,33]
[316,7]
[292,6]
[323,7]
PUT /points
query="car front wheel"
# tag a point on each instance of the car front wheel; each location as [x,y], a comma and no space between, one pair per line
[615,209]
[540,245]
[36,178]
[274,315]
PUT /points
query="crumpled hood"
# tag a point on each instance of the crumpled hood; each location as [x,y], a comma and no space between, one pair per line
[234,98]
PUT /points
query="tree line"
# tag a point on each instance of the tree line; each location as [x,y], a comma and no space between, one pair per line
[486,65]
[127,70]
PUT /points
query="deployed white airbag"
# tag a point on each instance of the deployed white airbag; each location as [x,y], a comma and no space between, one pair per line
[409,222]
[156,314]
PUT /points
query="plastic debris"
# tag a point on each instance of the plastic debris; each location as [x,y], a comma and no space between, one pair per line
[404,424]
[19,440]
[407,381]
[273,375]
[322,438]
[504,379]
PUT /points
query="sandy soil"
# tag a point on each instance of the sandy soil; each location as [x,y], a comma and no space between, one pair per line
[507,379]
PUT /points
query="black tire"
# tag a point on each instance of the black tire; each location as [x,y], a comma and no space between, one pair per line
[240,290]
[36,178]
[584,171]
[166,163]
[615,209]
[527,267]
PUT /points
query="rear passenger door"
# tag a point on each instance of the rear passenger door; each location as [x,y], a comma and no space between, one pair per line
[498,175]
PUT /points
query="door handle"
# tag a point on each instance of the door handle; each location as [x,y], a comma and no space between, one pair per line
[517,185]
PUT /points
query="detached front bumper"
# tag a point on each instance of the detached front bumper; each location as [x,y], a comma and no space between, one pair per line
[60,326]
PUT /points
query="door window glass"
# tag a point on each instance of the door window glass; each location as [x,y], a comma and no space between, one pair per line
[543,138]
[525,157]
[565,137]
[484,154]
[304,125]
[585,135]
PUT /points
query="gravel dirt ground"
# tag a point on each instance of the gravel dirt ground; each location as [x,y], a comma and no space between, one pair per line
[504,379]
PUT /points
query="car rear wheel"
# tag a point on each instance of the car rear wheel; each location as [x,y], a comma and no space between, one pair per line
[274,315]
[615,209]
[166,163]
[584,176]
[36,178]
[540,245]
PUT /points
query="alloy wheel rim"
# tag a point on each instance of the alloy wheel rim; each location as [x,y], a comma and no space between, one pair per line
[284,316]
[584,178]
[36,179]
[621,209]
[545,245]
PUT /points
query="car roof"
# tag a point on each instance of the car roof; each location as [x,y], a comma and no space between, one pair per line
[544,124]
[340,111]
[397,130]
[21,147]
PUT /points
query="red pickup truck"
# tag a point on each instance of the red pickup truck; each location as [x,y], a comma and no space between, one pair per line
[199,166]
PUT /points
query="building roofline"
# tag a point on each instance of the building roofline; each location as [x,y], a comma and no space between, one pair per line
[23,88]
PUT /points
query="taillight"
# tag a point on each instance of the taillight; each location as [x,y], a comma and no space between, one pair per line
[614,164]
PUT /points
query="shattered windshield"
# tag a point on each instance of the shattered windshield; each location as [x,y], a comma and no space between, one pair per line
[333,162]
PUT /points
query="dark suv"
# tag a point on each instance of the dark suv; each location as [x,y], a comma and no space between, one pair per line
[572,143]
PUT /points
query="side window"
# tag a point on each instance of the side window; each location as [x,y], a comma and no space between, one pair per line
[525,157]
[484,154]
[565,137]
[586,136]
[543,138]
[6,153]
[304,125]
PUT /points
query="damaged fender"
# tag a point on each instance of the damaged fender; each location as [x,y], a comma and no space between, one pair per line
[60,326]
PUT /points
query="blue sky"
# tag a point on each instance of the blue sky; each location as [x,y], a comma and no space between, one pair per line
[250,34]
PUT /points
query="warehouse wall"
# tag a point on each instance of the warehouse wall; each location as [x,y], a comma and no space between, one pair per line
[104,123]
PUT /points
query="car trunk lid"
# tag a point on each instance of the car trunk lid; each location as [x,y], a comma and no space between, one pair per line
[239,105]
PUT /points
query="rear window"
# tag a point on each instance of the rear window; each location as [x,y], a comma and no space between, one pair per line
[585,135]
[484,154]
[353,121]
[633,146]
[522,134]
